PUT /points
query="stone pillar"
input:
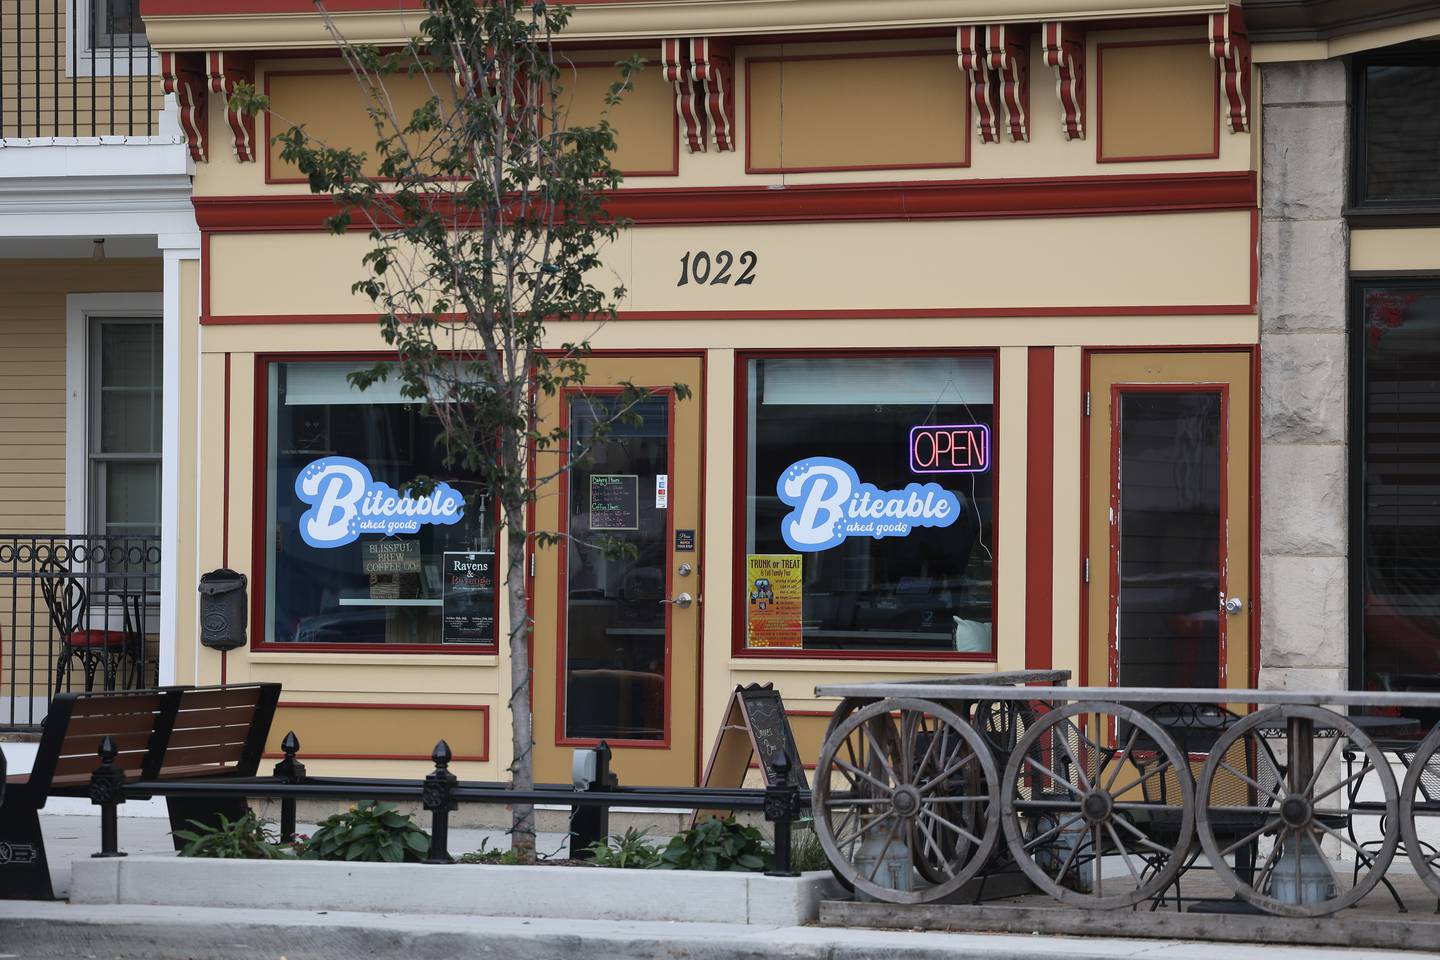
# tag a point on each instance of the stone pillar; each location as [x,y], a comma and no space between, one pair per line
[1304,262]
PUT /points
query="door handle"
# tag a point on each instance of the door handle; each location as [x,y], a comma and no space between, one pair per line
[1234,605]
[682,601]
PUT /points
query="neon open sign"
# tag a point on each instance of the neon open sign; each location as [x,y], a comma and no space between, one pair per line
[950,448]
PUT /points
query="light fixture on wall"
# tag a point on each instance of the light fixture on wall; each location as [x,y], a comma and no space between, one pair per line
[98,251]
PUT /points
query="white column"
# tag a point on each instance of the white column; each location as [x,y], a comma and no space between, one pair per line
[177,249]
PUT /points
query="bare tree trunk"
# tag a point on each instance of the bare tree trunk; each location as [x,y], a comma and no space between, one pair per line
[522,722]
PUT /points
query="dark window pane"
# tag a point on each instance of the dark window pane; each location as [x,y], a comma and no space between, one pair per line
[1401,132]
[1169,479]
[928,590]
[615,573]
[1401,588]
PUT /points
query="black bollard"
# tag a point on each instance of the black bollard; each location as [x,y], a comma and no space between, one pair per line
[107,784]
[590,823]
[437,796]
[289,770]
[782,806]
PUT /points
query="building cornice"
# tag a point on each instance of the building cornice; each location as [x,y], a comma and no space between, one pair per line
[1288,20]
[295,24]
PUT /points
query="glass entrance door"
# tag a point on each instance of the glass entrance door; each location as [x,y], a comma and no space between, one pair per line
[1168,529]
[617,598]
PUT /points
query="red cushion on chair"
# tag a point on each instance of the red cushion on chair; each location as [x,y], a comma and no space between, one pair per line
[114,639]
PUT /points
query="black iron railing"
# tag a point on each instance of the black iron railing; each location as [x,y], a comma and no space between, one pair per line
[77,612]
[76,68]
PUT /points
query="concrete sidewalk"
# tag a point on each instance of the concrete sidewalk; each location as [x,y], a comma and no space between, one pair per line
[50,931]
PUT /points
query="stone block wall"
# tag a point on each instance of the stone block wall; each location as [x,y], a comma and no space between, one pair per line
[1304,263]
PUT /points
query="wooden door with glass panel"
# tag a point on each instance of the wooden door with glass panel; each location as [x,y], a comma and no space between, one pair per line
[617,627]
[1168,520]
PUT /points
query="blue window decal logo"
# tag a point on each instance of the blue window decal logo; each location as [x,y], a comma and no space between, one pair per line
[830,503]
[346,501]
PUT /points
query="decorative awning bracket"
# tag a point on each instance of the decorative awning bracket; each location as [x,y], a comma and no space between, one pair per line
[1230,46]
[1063,45]
[184,76]
[702,72]
[996,62]
[227,70]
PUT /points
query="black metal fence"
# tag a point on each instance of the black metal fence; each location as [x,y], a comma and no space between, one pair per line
[76,68]
[77,612]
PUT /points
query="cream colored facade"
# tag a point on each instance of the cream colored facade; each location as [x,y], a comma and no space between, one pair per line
[1165,271]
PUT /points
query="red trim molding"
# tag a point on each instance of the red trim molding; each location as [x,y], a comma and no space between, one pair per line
[912,200]
[483,709]
[1039,508]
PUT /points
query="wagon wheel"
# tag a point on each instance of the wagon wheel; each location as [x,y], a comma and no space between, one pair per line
[883,805]
[1294,878]
[883,731]
[1422,785]
[1071,800]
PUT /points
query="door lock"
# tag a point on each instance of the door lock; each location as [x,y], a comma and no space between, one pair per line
[682,601]
[1234,605]
[684,570]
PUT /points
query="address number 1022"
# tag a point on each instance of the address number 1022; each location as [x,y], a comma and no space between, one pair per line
[698,267]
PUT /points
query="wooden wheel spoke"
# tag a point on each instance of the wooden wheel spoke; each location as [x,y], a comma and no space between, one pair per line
[942,731]
[874,819]
[1143,840]
[889,838]
[1252,782]
[1365,857]
[953,768]
[1079,767]
[855,802]
[1065,825]
[933,845]
[862,775]
[1366,768]
[953,826]
[1124,854]
[1119,763]
[1069,859]
[1098,861]
[1319,768]
[1160,769]
[1253,835]
[1054,777]
[1270,861]
[878,754]
[954,799]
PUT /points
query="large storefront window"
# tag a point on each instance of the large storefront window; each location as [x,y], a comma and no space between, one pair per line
[868,518]
[1399,505]
[353,556]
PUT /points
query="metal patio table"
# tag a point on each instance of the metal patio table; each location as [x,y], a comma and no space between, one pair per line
[905,762]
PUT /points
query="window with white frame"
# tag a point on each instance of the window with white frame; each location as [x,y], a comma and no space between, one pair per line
[123,436]
[107,38]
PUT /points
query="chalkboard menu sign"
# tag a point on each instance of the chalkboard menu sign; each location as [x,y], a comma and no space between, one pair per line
[755,727]
[468,597]
[614,501]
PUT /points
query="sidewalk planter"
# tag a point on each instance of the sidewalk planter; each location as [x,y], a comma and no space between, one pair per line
[582,893]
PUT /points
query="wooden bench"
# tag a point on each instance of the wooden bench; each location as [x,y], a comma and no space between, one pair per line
[175,733]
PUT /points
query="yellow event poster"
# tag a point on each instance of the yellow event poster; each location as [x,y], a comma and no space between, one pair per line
[774,594]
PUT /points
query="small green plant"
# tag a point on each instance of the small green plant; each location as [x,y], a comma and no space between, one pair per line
[717,845]
[246,838]
[805,850]
[632,851]
[371,831]
[489,854]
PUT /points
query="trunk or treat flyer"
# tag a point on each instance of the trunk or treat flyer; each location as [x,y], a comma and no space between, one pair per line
[775,596]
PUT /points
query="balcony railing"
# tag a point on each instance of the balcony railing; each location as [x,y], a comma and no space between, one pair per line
[76,69]
[77,612]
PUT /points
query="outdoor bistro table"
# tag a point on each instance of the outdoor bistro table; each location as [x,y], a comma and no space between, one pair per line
[1098,805]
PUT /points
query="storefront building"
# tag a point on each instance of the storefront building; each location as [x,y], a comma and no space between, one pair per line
[986,278]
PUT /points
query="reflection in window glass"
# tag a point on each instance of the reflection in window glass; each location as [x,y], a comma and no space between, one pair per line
[1400,591]
[432,587]
[615,572]
[1401,132]
[1169,480]
[928,590]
